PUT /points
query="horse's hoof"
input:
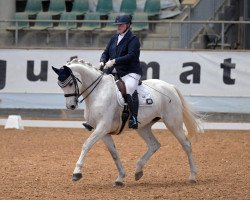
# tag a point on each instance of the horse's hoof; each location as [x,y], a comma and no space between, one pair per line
[192,181]
[87,126]
[138,175]
[76,177]
[118,184]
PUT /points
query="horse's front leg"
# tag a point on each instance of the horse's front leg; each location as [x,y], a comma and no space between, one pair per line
[109,142]
[94,137]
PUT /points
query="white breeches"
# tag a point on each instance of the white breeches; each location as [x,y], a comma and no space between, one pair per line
[131,81]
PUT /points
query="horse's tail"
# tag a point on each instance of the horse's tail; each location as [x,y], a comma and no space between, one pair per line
[190,118]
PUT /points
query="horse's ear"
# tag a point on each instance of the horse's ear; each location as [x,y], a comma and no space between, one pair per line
[67,69]
[55,70]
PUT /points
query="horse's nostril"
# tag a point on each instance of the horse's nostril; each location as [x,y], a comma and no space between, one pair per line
[72,107]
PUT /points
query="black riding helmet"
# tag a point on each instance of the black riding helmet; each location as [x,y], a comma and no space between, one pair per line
[123,19]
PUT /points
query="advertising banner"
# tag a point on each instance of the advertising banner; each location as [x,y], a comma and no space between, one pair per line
[195,73]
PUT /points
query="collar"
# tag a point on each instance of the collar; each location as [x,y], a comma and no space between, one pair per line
[122,34]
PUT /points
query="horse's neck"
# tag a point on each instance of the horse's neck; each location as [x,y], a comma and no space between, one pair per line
[87,74]
[104,92]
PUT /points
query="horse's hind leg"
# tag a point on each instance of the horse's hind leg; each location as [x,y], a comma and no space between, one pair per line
[109,142]
[153,145]
[178,132]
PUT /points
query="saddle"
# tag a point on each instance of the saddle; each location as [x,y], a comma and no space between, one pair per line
[125,113]
[145,99]
[122,87]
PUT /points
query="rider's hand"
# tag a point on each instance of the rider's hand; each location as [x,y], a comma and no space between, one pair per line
[101,65]
[110,63]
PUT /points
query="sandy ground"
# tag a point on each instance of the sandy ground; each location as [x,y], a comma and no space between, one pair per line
[37,163]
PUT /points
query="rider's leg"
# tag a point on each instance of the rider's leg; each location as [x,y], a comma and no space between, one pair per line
[131,81]
[133,107]
[136,101]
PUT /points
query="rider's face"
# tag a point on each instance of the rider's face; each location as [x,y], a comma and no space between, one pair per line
[121,28]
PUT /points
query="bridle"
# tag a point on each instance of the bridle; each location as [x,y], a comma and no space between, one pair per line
[77,93]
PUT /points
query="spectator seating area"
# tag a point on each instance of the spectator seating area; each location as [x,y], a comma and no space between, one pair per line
[80,17]
[89,23]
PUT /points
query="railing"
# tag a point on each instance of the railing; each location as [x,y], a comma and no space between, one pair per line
[172,37]
[203,11]
[188,28]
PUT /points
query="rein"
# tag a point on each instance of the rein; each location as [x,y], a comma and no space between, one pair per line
[98,80]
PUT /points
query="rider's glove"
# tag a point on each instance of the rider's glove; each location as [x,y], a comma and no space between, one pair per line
[101,65]
[110,63]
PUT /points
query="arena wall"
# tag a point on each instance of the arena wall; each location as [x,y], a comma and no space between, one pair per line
[212,81]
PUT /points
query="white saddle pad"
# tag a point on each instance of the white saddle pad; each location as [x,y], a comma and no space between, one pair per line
[144,96]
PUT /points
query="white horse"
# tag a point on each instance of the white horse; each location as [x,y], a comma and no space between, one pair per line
[103,112]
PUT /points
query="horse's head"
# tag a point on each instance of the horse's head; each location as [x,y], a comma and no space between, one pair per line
[70,85]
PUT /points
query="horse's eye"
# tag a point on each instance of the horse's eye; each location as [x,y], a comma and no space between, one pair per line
[70,84]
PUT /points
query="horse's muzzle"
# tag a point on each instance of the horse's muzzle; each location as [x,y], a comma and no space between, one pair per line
[72,107]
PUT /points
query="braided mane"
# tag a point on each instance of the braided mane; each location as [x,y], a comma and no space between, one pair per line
[79,61]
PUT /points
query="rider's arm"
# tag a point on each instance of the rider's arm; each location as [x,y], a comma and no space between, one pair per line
[106,54]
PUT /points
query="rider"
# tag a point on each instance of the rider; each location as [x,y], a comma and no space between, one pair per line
[121,56]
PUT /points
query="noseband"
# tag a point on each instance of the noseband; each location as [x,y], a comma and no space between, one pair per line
[77,93]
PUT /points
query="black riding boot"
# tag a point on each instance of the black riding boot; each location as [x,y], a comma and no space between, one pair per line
[133,105]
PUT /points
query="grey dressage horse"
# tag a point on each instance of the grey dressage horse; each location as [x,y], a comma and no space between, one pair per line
[103,112]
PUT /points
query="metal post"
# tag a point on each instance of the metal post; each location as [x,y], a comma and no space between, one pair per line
[189,12]
[189,28]
[67,35]
[16,33]
[214,9]
[222,35]
[170,36]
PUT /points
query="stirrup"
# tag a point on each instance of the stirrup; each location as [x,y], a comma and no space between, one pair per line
[133,123]
[87,126]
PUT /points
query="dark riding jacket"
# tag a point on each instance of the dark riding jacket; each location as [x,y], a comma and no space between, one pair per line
[126,54]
